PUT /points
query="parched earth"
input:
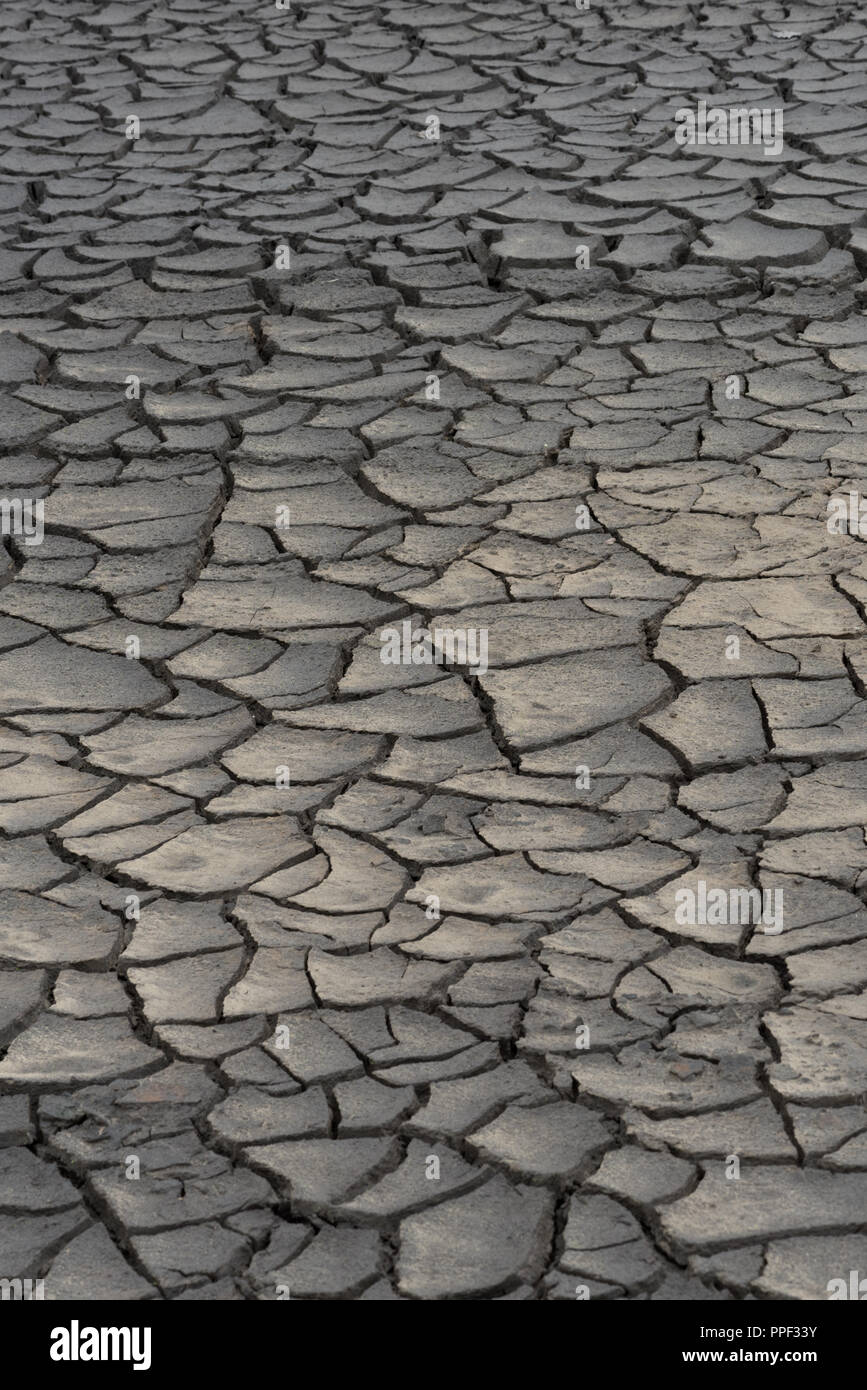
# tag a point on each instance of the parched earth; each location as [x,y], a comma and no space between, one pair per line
[331,976]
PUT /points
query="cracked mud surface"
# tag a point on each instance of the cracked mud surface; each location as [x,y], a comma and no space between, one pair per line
[342,979]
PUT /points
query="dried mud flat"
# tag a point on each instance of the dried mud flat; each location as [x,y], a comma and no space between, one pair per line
[329,973]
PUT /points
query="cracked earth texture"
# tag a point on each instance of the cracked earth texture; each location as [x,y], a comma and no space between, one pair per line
[245,1054]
